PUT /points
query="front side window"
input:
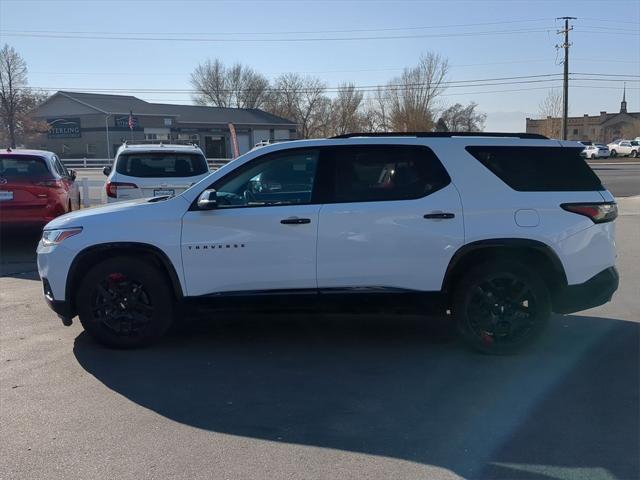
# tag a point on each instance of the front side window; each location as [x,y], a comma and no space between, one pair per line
[279,178]
[161,164]
[385,172]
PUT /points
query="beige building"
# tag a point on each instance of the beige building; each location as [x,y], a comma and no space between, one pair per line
[92,125]
[602,128]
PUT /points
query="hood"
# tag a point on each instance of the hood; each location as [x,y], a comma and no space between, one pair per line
[81,217]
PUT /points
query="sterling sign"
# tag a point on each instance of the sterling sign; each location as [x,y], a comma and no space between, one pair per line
[64,128]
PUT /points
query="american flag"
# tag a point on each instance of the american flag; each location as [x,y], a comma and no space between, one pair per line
[130,122]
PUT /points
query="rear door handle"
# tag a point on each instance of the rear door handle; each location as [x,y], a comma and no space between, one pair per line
[439,216]
[295,221]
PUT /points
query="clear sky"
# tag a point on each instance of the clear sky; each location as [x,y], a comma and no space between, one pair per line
[481,39]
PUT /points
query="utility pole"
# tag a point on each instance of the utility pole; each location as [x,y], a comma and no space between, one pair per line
[565,86]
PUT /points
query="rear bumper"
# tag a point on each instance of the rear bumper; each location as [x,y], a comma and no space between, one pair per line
[30,215]
[596,291]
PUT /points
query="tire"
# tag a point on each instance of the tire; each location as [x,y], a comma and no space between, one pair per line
[593,156]
[613,153]
[497,328]
[105,306]
[634,154]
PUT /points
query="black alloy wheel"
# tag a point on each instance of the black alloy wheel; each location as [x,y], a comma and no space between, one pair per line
[500,308]
[125,302]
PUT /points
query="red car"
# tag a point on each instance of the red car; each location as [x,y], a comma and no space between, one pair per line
[35,188]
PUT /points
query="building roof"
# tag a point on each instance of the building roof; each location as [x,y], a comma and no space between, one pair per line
[123,104]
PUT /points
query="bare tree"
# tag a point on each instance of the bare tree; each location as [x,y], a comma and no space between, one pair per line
[15,99]
[458,118]
[303,100]
[410,100]
[550,111]
[346,111]
[236,87]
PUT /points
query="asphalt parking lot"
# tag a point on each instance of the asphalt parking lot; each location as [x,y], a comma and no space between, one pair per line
[291,396]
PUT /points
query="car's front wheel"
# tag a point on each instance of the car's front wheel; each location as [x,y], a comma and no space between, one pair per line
[500,307]
[613,153]
[125,302]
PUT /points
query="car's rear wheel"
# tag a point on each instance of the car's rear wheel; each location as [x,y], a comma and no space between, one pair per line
[500,307]
[125,302]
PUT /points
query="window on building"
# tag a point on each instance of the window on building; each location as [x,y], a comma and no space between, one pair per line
[575,131]
[194,137]
[156,136]
[91,149]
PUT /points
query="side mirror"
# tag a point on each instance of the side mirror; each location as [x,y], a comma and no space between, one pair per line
[72,174]
[106,170]
[208,200]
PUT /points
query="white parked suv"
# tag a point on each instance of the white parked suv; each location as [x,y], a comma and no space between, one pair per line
[150,170]
[495,231]
[624,148]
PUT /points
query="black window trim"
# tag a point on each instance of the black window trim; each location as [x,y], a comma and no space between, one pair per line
[320,194]
[262,158]
[328,201]
[469,149]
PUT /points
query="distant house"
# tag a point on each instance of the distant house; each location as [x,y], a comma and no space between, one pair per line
[94,125]
[601,128]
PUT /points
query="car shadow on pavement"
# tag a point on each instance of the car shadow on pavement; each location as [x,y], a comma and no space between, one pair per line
[18,251]
[567,408]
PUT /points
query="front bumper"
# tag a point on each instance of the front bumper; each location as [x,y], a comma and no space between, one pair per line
[61,307]
[596,291]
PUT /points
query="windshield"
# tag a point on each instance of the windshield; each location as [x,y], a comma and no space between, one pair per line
[161,164]
[22,167]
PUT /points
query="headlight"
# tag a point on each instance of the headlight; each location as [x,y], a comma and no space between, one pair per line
[54,237]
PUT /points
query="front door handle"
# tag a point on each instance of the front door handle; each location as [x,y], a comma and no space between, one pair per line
[439,216]
[295,221]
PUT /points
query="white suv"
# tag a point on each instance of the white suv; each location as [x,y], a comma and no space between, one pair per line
[493,230]
[623,148]
[152,170]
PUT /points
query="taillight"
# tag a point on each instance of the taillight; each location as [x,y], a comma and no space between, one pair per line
[598,212]
[49,183]
[112,188]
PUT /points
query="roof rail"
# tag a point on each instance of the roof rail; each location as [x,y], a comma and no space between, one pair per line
[161,142]
[444,134]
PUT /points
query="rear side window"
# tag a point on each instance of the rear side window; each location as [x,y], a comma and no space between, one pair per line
[367,173]
[161,164]
[23,166]
[539,169]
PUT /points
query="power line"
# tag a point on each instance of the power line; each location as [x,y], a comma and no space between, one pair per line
[363,89]
[301,32]
[275,40]
[384,69]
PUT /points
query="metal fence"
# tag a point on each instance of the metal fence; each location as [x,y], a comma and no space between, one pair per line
[214,163]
